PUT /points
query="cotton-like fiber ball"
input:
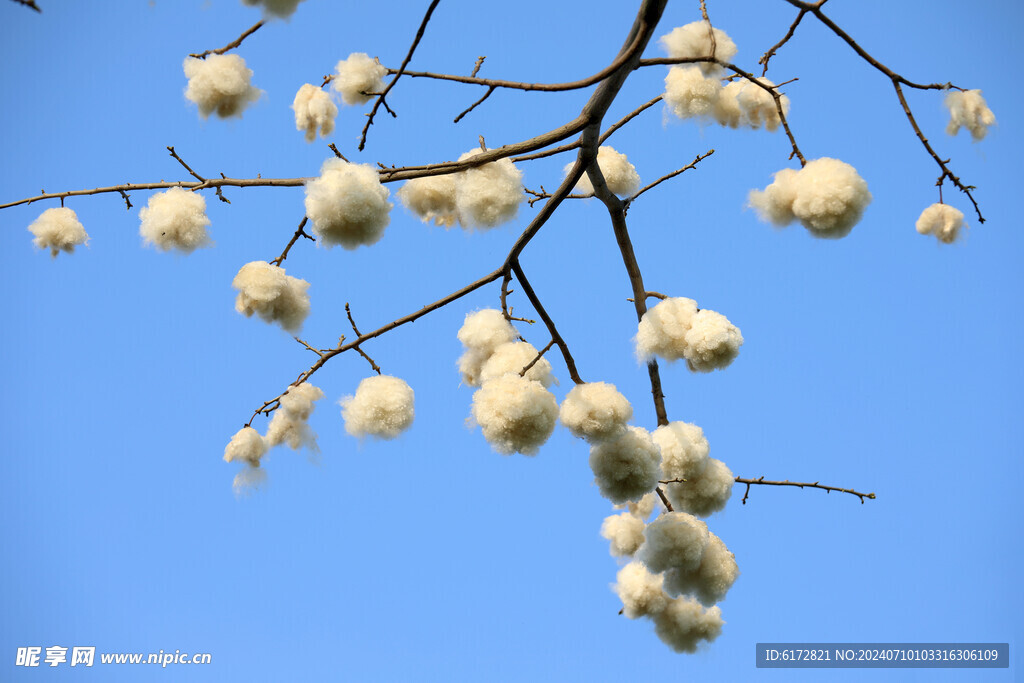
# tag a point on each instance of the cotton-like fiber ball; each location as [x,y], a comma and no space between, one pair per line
[675,540]
[245,446]
[627,467]
[704,494]
[248,480]
[58,230]
[941,220]
[595,411]
[968,109]
[690,94]
[485,330]
[758,106]
[356,75]
[712,342]
[471,363]
[220,84]
[620,175]
[827,196]
[644,507]
[694,40]
[347,204]
[314,109]
[516,415]
[289,422]
[432,198]
[488,195]
[381,407]
[513,357]
[727,107]
[712,579]
[662,329]
[275,8]
[684,450]
[640,591]
[175,219]
[683,625]
[625,531]
[266,290]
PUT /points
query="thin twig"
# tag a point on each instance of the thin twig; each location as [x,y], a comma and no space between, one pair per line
[299,232]
[124,195]
[31,4]
[318,352]
[785,39]
[474,105]
[476,67]
[357,349]
[811,485]
[540,354]
[673,174]
[203,181]
[627,118]
[570,364]
[664,499]
[232,45]
[338,154]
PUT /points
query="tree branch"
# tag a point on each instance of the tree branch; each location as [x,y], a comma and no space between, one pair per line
[812,485]
[233,44]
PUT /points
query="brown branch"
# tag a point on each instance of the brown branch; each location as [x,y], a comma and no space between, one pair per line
[475,104]
[233,44]
[124,195]
[540,354]
[203,181]
[673,174]
[31,4]
[664,499]
[476,67]
[319,352]
[570,364]
[627,118]
[398,74]
[785,39]
[357,349]
[338,154]
[299,232]
[814,485]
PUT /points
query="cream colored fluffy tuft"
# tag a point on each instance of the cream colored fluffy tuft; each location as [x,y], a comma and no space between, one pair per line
[58,230]
[690,94]
[246,446]
[694,40]
[314,109]
[683,625]
[675,540]
[641,591]
[712,579]
[488,195]
[266,290]
[626,468]
[620,175]
[684,450]
[516,415]
[758,106]
[432,198]
[727,107]
[662,329]
[356,75]
[943,221]
[968,109]
[644,507]
[513,357]
[347,204]
[625,532]
[704,494]
[289,424]
[382,407]
[275,8]
[712,342]
[175,219]
[595,411]
[220,84]
[827,196]
[482,332]
[248,480]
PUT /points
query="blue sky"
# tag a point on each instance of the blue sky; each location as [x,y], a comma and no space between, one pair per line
[882,361]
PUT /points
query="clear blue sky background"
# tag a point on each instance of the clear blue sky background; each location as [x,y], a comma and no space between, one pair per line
[883,361]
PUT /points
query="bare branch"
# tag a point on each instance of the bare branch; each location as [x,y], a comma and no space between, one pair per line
[474,105]
[233,44]
[31,4]
[813,485]
[476,67]
[570,364]
[540,354]
[627,118]
[299,232]
[673,174]
[785,39]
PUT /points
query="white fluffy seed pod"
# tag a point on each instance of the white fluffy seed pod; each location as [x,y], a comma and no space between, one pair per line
[712,579]
[595,411]
[175,219]
[968,109]
[470,365]
[625,531]
[249,479]
[694,40]
[347,204]
[727,107]
[640,591]
[432,198]
[267,291]
[662,329]
[382,407]
[683,625]
[58,230]
[485,330]
[620,175]
[705,494]
[220,84]
[684,450]
[275,8]
[827,196]
[644,507]
[513,357]
[758,106]
[712,342]
[289,424]
[488,195]
[943,221]
[314,109]
[675,540]
[245,446]
[356,75]
[626,468]
[690,94]
[516,415]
